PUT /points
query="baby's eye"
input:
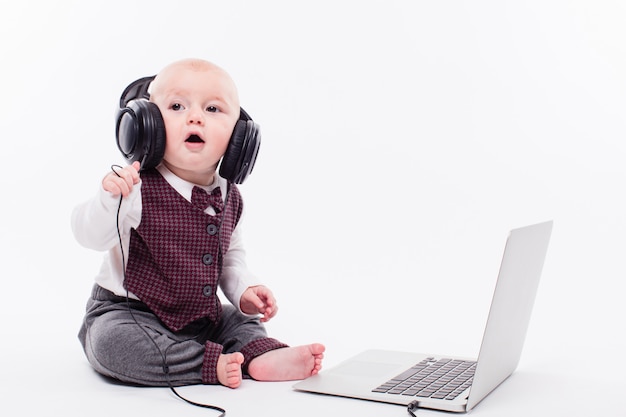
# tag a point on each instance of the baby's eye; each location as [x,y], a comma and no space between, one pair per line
[176,107]
[212,109]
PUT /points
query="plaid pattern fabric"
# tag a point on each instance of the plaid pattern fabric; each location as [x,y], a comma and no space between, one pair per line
[249,351]
[174,261]
[201,199]
[209,364]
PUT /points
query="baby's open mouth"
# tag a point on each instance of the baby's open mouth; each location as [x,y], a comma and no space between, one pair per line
[194,139]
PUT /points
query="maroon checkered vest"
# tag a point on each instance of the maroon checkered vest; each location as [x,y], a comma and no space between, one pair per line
[174,262]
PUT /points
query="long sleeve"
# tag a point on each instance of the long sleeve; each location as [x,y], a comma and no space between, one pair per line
[95,222]
[236,277]
[95,226]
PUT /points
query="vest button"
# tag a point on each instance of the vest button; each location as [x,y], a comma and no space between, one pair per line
[211,229]
[207,259]
[207,291]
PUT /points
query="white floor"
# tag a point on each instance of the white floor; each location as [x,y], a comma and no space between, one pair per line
[60,382]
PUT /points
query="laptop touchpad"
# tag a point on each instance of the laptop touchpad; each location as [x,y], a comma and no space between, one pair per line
[357,368]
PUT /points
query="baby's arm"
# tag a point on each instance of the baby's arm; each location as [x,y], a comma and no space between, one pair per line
[242,288]
[94,222]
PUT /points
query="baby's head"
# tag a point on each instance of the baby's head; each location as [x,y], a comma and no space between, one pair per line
[200,107]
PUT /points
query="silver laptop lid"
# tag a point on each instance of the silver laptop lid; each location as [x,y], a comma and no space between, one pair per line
[509,315]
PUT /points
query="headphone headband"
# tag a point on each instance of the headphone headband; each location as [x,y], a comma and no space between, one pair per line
[135,90]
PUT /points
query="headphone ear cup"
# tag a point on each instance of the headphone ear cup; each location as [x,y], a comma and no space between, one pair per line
[243,148]
[155,137]
[140,133]
[228,167]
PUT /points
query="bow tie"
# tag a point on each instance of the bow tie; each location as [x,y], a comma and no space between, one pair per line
[202,200]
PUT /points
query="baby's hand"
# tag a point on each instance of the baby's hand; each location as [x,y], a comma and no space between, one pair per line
[122,180]
[259,300]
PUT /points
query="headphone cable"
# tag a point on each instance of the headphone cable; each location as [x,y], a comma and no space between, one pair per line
[412,408]
[163,355]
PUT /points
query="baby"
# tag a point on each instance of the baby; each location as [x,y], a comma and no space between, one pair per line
[172,236]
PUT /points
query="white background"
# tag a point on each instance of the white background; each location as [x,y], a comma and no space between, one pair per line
[401,141]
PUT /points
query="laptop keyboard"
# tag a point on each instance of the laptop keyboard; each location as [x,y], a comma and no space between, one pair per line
[441,379]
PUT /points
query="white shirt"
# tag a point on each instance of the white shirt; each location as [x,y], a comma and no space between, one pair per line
[94,224]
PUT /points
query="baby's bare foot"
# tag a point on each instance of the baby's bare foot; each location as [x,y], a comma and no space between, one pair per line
[229,369]
[288,364]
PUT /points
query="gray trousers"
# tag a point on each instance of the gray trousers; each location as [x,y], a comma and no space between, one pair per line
[120,339]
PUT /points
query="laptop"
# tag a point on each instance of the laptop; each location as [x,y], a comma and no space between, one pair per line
[450,383]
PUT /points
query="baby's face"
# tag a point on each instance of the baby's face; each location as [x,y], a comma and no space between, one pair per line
[200,107]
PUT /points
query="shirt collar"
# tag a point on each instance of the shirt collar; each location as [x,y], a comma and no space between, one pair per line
[184,187]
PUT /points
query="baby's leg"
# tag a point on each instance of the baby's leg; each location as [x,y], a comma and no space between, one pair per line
[229,369]
[121,345]
[288,364]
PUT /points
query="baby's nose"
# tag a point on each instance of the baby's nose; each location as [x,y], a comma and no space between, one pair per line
[195,118]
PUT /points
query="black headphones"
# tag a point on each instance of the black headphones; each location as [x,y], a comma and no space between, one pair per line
[140,135]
